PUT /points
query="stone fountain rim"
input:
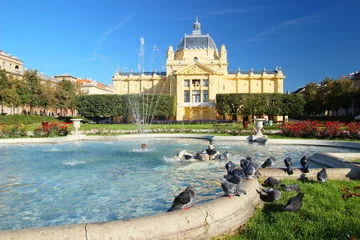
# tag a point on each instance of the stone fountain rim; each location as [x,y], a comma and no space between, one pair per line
[217,218]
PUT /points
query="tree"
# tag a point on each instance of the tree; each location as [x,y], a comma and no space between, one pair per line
[34,84]
[310,96]
[48,100]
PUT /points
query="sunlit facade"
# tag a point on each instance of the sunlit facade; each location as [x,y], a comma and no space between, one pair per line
[195,72]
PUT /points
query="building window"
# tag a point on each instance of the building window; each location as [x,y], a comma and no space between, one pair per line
[205,96]
[196,82]
[196,96]
[205,83]
[224,87]
[10,65]
[196,59]
[3,64]
[186,96]
[17,67]
[186,83]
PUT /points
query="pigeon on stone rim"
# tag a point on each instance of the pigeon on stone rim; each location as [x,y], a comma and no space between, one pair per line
[233,173]
[184,200]
[232,189]
[289,165]
[251,170]
[244,163]
[294,203]
[268,162]
[322,175]
[305,164]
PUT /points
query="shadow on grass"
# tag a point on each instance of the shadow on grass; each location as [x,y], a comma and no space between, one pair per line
[273,207]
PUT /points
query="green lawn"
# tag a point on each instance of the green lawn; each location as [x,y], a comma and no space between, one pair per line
[323,215]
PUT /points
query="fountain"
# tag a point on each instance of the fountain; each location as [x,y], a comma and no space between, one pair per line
[259,136]
[143,104]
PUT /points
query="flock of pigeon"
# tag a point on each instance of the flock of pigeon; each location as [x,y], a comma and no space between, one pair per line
[232,181]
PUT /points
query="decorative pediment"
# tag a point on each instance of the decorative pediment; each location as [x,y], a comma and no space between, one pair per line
[196,69]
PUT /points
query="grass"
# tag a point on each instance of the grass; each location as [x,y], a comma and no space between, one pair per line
[323,215]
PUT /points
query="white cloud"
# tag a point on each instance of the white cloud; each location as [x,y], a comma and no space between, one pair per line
[108,32]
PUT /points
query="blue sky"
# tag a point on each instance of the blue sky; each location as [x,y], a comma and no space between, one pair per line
[310,40]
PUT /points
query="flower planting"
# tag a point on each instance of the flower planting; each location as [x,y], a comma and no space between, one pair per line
[328,130]
[51,129]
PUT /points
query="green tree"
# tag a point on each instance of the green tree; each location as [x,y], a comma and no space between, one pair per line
[34,84]
[310,96]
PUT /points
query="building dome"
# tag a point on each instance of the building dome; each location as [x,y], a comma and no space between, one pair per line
[196,40]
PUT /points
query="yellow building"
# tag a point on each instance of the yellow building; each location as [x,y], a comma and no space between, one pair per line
[195,73]
[12,65]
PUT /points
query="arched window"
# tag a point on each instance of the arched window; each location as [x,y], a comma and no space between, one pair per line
[17,67]
[195,59]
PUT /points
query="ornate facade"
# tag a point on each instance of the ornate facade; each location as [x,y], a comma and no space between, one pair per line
[195,73]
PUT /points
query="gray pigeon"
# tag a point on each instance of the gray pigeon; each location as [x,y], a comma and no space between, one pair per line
[269,162]
[244,163]
[305,164]
[271,182]
[251,170]
[184,200]
[230,166]
[290,187]
[230,188]
[294,203]
[322,175]
[233,174]
[289,165]
[270,196]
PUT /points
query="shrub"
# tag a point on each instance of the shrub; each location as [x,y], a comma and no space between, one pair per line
[12,131]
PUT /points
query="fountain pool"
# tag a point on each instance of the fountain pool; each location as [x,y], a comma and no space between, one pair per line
[97,181]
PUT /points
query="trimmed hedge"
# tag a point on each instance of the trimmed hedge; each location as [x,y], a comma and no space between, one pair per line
[148,105]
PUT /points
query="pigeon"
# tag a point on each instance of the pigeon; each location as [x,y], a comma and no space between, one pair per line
[322,175]
[290,187]
[230,188]
[230,166]
[244,163]
[305,164]
[233,173]
[289,165]
[294,203]
[269,162]
[184,200]
[225,155]
[251,170]
[270,196]
[271,182]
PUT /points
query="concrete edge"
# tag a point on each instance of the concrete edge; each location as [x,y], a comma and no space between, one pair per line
[81,137]
[219,216]
[334,161]
[280,173]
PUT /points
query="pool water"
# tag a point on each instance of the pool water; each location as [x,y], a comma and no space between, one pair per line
[83,182]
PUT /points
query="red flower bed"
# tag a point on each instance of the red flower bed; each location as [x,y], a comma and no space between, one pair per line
[312,129]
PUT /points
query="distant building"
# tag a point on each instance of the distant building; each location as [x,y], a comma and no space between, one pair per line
[89,87]
[12,65]
[66,76]
[355,77]
[195,73]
